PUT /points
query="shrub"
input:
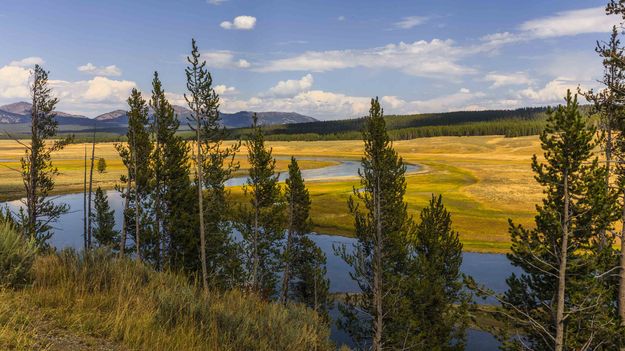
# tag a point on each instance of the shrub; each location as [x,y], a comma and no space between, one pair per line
[16,257]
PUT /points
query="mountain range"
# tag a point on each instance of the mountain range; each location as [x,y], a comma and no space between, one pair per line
[19,113]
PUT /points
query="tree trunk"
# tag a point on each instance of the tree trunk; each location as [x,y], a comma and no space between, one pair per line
[84,204]
[621,288]
[89,229]
[377,273]
[137,203]
[31,194]
[157,202]
[255,249]
[122,245]
[288,252]
[562,269]
[200,196]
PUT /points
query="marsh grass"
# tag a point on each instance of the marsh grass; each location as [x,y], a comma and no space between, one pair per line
[125,302]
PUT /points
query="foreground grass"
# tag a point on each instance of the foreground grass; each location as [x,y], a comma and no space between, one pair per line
[120,304]
[484,180]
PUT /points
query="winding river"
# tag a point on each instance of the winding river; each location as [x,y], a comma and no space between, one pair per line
[490,270]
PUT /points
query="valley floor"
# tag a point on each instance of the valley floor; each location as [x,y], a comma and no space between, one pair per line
[484,180]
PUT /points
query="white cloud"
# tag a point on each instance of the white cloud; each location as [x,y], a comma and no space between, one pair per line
[14,82]
[504,79]
[551,93]
[108,71]
[410,22]
[332,105]
[225,90]
[98,89]
[574,22]
[436,58]
[240,23]
[224,59]
[216,2]
[28,62]
[565,23]
[292,87]
[341,18]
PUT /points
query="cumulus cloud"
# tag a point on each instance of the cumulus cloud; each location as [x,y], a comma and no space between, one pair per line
[333,105]
[225,90]
[108,71]
[292,87]
[224,59]
[410,22]
[14,82]
[574,22]
[436,58]
[565,23]
[551,93]
[504,79]
[28,62]
[240,23]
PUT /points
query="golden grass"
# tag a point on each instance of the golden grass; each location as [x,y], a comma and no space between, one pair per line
[121,302]
[484,180]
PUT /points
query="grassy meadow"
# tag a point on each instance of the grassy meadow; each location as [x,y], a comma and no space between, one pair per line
[484,180]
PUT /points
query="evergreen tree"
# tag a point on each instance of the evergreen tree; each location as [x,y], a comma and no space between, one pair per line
[161,128]
[304,276]
[379,257]
[560,301]
[104,222]
[175,226]
[309,284]
[135,157]
[261,223]
[436,312]
[203,103]
[37,169]
[222,254]
[101,165]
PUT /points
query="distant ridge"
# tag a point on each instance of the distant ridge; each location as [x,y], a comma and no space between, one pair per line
[117,120]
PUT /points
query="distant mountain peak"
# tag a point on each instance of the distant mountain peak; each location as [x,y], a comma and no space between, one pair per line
[19,108]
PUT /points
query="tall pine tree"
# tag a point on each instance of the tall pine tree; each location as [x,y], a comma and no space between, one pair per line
[38,172]
[136,155]
[174,223]
[379,257]
[303,278]
[261,223]
[559,301]
[435,313]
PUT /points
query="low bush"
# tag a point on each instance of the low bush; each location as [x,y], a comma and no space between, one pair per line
[16,257]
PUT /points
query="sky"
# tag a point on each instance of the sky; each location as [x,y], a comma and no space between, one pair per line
[322,58]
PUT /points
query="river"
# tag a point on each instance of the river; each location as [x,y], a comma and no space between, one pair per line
[490,270]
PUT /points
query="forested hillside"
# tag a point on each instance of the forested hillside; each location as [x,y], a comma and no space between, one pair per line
[519,122]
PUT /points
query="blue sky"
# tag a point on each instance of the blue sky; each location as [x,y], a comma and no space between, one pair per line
[320,58]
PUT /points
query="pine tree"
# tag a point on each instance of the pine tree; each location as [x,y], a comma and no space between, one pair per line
[261,223]
[560,301]
[161,129]
[101,165]
[203,103]
[135,157]
[173,197]
[379,256]
[104,222]
[37,169]
[309,284]
[304,276]
[435,316]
